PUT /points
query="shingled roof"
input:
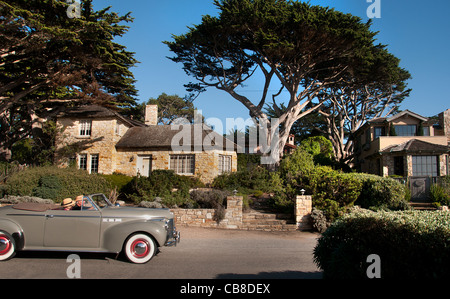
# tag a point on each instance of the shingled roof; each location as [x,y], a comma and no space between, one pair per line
[161,136]
[416,146]
[96,111]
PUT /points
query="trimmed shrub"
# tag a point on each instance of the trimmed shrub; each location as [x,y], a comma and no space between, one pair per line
[55,183]
[411,245]
[381,193]
[334,191]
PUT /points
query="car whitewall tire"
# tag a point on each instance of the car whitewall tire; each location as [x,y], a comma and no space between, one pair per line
[140,248]
[7,246]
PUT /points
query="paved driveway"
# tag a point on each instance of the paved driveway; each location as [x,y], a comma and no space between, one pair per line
[202,254]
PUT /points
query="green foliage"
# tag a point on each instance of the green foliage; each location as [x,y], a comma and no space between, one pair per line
[211,199]
[411,245]
[48,187]
[440,191]
[55,183]
[294,45]
[247,161]
[381,193]
[245,181]
[166,184]
[332,191]
[320,148]
[117,180]
[46,55]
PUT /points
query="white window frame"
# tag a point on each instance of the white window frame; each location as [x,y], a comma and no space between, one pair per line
[225,162]
[183,164]
[95,163]
[85,128]
[83,161]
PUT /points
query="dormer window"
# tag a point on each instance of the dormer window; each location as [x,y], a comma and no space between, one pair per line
[406,130]
[85,128]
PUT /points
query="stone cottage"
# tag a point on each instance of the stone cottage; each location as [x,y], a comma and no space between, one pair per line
[100,140]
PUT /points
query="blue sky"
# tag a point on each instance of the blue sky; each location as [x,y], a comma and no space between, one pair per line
[417,32]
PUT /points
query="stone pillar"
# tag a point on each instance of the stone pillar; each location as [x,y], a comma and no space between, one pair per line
[303,209]
[234,212]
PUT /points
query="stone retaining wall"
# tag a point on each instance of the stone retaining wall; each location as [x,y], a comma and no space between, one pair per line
[206,217]
[234,215]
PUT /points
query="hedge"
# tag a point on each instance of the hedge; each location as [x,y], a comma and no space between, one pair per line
[51,182]
[410,244]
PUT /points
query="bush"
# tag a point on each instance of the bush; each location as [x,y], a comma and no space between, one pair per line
[172,188]
[55,183]
[48,187]
[440,192]
[381,193]
[211,199]
[411,245]
[332,191]
[245,181]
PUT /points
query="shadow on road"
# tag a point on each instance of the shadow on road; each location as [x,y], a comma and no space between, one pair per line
[273,275]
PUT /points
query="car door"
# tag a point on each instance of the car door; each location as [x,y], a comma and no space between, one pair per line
[72,229]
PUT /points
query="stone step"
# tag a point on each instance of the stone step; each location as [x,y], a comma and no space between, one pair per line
[422,206]
[268,222]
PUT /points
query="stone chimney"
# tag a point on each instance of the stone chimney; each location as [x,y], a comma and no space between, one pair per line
[151,115]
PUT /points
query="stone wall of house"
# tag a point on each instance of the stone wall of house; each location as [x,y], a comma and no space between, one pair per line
[206,163]
[104,136]
[443,165]
[444,121]
[105,133]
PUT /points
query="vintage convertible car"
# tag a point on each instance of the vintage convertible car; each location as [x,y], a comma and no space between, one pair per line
[98,226]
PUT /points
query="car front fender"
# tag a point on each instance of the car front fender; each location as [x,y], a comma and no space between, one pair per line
[115,236]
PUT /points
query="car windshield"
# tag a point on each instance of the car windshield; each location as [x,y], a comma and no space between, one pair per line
[100,200]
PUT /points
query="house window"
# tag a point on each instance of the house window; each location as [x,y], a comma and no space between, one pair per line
[408,130]
[425,166]
[224,164]
[94,163]
[399,166]
[182,164]
[379,131]
[85,127]
[82,161]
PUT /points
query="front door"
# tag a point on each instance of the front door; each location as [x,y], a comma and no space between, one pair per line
[420,188]
[144,165]
[74,229]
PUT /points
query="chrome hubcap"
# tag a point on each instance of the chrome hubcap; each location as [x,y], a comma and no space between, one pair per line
[140,248]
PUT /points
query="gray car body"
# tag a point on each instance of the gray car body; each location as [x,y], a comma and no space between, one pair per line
[44,227]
